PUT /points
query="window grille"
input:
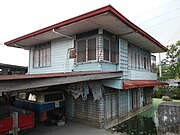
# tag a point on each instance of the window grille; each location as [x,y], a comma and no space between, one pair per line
[86,50]
[92,49]
[138,61]
[106,49]
[36,58]
[81,51]
[135,60]
[48,56]
[145,63]
[114,52]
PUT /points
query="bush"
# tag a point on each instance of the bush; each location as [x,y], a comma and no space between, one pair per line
[159,91]
[166,98]
[171,91]
[176,93]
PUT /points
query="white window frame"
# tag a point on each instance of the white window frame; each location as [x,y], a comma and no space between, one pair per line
[109,49]
[86,52]
[42,55]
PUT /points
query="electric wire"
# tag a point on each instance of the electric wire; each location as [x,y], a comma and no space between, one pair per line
[155,9]
[159,16]
[172,36]
[168,20]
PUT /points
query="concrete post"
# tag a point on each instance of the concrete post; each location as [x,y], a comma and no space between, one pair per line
[15,123]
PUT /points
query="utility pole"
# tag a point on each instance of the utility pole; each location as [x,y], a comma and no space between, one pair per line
[160,70]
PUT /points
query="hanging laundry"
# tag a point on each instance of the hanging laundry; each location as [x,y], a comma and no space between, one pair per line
[78,89]
[96,88]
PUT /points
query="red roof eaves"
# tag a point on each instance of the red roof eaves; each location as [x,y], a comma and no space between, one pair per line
[108,8]
[130,84]
[136,28]
[66,22]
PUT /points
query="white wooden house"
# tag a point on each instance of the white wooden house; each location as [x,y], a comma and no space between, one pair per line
[100,55]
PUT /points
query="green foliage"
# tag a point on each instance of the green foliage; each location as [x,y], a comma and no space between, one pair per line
[171,64]
[159,92]
[172,92]
[176,93]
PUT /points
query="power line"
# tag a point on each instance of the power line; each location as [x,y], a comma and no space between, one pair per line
[163,22]
[160,15]
[156,8]
[172,37]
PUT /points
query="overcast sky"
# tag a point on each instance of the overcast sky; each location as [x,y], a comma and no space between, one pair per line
[159,18]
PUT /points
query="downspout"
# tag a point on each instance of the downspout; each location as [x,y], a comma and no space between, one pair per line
[30,58]
[66,57]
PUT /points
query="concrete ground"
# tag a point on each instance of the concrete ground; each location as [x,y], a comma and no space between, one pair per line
[70,128]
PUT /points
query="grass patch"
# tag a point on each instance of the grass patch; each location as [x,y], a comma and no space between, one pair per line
[156,102]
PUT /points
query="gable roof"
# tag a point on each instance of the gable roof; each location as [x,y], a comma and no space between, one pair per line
[106,17]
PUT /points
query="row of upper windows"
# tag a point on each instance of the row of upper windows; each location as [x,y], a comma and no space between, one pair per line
[138,58]
[88,49]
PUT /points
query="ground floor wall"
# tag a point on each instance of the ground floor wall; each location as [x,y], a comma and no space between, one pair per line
[114,107]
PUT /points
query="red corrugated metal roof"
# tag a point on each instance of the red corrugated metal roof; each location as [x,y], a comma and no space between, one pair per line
[50,75]
[96,12]
[130,84]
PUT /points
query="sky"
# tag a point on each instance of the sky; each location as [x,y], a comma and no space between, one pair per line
[159,18]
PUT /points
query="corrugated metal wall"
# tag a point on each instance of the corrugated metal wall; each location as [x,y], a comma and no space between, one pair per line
[110,107]
[98,113]
[134,99]
[115,105]
[123,103]
[123,57]
[87,111]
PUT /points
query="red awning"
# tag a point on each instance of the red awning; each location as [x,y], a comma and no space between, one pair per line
[130,84]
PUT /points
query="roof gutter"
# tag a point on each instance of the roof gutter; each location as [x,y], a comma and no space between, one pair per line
[136,28]
[58,33]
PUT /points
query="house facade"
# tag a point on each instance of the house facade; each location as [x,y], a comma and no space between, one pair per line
[101,41]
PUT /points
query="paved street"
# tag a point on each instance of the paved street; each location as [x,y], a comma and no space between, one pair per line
[70,128]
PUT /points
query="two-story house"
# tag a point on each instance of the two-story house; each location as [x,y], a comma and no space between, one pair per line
[101,58]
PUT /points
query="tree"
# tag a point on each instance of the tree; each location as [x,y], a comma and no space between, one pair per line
[171,64]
